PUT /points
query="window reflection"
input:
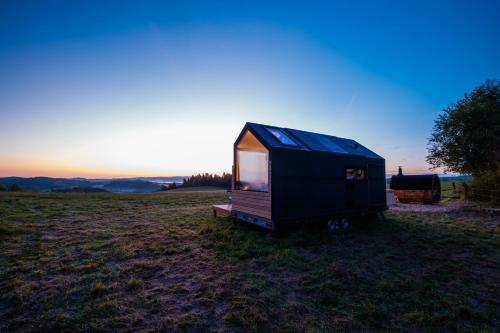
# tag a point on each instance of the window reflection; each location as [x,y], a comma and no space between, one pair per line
[252,171]
[282,137]
[355,174]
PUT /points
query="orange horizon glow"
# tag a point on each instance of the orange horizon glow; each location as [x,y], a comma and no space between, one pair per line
[71,171]
[156,150]
[88,173]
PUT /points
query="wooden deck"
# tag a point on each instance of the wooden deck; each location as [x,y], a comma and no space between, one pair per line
[224,209]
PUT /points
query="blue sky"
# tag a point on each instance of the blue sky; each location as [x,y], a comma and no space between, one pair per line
[129,88]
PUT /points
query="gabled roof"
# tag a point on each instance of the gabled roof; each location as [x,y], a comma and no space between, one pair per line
[309,141]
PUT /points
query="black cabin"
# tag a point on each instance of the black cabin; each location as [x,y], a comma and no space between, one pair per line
[282,175]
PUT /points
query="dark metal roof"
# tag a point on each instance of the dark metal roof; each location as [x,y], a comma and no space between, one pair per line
[415,182]
[310,141]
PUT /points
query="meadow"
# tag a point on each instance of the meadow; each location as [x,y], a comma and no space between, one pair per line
[161,262]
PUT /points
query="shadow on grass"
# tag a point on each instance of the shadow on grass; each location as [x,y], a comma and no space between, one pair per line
[159,262]
[413,270]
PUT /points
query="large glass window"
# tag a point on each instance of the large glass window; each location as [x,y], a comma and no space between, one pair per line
[252,162]
[281,136]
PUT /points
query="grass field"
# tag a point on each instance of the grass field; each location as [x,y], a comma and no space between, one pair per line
[160,262]
[198,189]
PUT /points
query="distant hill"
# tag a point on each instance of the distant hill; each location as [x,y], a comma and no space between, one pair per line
[126,185]
[81,190]
[47,184]
[133,185]
[454,178]
[44,183]
[161,180]
[443,178]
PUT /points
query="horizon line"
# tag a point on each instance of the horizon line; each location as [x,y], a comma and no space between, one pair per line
[387,175]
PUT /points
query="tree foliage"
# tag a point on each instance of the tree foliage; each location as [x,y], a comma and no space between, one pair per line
[207,179]
[171,186]
[466,137]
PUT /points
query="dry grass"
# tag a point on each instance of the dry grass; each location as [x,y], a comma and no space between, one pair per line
[159,262]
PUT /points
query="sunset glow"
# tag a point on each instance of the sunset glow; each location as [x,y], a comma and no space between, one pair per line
[165,90]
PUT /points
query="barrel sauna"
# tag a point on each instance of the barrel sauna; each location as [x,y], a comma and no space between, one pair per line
[416,188]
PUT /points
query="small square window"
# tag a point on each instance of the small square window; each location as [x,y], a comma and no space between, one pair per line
[355,174]
[281,136]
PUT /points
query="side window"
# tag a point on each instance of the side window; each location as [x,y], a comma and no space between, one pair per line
[355,174]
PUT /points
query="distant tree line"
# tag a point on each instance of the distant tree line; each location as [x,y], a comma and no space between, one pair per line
[207,179]
[171,186]
[12,188]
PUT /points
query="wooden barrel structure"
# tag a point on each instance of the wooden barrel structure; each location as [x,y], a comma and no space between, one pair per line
[416,188]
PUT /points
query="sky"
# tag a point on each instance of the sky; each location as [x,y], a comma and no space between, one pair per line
[162,88]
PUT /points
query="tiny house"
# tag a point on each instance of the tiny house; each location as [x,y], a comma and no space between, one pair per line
[282,175]
[416,188]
